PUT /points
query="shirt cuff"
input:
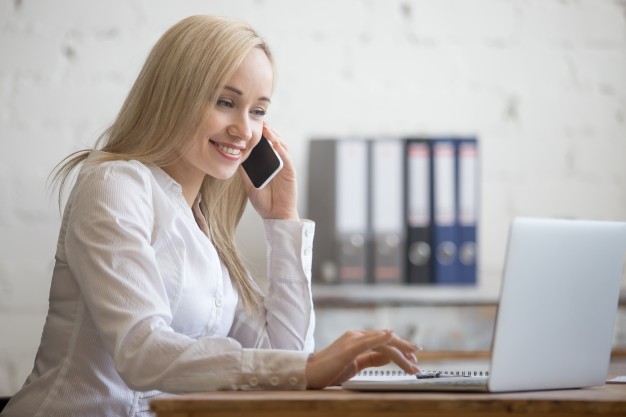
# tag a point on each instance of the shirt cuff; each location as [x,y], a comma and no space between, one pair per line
[273,369]
[290,243]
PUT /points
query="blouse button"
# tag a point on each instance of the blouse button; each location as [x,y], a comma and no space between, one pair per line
[218,302]
[274,380]
[307,251]
[293,380]
[253,381]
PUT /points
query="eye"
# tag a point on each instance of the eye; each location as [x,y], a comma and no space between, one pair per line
[258,112]
[225,103]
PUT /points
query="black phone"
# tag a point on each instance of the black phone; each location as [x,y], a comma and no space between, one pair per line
[262,164]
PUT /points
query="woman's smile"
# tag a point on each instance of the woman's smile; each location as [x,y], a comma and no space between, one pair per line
[230,152]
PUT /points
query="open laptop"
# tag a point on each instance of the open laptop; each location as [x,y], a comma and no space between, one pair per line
[556,315]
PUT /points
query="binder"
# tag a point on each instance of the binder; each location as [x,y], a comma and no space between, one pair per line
[418,211]
[446,234]
[387,210]
[467,175]
[338,203]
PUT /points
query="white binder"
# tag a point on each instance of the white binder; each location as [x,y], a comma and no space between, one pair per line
[387,217]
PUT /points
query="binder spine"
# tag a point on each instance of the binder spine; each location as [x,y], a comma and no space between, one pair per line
[352,208]
[446,233]
[467,169]
[322,209]
[387,210]
[418,211]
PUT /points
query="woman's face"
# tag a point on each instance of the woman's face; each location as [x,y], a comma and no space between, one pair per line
[235,125]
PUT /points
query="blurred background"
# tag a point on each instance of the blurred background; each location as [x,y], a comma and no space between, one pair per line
[541,83]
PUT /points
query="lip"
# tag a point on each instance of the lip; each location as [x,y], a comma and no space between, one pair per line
[227,155]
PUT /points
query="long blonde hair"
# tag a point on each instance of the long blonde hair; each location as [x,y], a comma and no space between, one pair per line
[186,70]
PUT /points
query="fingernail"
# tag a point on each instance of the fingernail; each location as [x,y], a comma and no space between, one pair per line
[418,347]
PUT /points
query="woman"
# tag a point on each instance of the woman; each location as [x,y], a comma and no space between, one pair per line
[149,294]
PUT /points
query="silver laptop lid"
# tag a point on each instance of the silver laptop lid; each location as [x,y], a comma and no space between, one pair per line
[558,303]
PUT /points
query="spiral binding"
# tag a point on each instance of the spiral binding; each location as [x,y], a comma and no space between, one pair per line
[421,374]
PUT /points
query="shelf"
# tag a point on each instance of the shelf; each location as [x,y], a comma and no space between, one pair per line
[406,296]
[389,295]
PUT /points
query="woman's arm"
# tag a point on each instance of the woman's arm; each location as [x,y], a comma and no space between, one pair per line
[288,319]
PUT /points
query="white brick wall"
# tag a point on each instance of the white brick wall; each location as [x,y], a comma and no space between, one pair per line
[541,82]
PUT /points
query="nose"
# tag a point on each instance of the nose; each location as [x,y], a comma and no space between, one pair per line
[240,127]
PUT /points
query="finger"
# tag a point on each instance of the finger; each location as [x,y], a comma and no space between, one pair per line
[276,142]
[404,345]
[366,360]
[411,356]
[273,132]
[398,358]
[395,341]
[371,360]
[274,136]
[282,144]
[362,342]
[408,349]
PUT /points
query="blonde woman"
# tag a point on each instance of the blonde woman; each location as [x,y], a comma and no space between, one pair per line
[149,294]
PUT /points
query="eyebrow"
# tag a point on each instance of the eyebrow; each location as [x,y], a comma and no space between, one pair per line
[240,93]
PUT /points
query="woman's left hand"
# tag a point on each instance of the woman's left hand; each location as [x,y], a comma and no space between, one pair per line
[278,199]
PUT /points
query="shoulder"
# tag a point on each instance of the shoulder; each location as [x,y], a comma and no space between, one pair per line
[97,169]
[101,175]
[112,182]
[112,190]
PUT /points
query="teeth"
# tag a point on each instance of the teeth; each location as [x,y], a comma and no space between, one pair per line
[231,151]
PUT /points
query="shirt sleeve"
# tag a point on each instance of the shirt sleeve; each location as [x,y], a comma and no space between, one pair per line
[109,252]
[288,319]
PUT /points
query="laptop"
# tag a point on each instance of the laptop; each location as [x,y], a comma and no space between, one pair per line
[556,315]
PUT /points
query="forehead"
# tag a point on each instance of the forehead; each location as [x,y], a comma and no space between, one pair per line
[255,75]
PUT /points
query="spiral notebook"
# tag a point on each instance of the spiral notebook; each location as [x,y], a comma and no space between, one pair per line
[556,315]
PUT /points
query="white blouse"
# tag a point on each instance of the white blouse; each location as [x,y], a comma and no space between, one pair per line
[140,303]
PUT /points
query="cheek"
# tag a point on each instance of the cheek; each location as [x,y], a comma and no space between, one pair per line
[214,123]
[256,138]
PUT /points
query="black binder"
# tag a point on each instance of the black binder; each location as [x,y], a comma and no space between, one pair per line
[418,210]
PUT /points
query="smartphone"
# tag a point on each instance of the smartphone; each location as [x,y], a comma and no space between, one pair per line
[262,164]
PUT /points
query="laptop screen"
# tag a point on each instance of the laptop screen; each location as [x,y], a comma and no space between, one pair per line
[558,303]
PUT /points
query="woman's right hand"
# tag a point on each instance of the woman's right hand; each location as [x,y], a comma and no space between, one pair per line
[356,350]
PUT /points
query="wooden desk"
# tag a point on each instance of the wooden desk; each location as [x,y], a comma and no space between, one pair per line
[608,400]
